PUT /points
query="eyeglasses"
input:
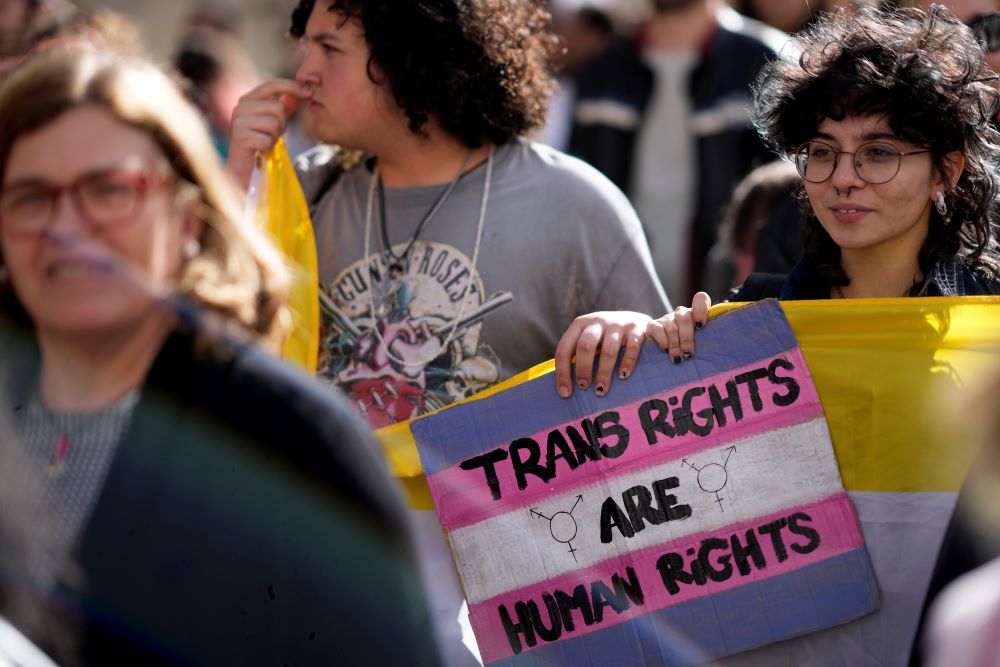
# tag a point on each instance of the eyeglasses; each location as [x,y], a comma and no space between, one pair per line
[875,162]
[986,28]
[104,199]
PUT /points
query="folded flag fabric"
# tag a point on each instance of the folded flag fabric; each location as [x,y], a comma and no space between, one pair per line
[276,203]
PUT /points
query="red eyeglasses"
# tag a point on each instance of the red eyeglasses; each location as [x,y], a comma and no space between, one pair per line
[104,199]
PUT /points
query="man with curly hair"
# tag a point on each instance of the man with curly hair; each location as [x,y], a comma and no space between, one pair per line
[456,252]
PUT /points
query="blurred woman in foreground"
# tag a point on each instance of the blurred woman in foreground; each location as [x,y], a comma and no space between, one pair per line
[887,117]
[222,508]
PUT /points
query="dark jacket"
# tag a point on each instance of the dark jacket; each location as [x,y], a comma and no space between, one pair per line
[950,278]
[614,89]
[247,518]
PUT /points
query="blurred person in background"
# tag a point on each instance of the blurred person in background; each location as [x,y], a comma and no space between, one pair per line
[665,117]
[584,33]
[219,71]
[220,507]
[765,199]
[789,16]
[24,23]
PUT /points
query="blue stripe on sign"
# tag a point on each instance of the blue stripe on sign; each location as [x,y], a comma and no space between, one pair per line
[751,333]
[819,596]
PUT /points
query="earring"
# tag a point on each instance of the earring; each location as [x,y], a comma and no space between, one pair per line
[940,205]
[191,249]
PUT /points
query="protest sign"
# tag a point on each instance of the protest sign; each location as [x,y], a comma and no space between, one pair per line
[696,513]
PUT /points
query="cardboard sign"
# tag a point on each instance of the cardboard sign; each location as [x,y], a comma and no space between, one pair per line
[694,513]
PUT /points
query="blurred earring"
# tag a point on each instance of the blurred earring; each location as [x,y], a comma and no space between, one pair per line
[191,249]
[940,205]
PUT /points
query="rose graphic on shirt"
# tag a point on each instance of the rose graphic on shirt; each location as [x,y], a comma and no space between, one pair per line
[428,313]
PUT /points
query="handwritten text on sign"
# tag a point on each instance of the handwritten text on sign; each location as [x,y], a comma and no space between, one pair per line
[688,493]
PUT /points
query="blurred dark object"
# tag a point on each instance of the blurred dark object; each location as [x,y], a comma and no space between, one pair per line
[986,27]
[218,70]
[764,200]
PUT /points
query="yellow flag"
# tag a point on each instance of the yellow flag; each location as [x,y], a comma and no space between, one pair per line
[281,209]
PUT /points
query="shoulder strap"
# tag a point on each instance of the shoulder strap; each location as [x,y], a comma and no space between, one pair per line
[761,286]
[329,180]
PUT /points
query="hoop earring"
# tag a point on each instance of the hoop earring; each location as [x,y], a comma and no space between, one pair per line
[191,249]
[940,205]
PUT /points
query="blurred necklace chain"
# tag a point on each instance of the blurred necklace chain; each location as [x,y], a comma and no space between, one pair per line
[475,258]
[435,207]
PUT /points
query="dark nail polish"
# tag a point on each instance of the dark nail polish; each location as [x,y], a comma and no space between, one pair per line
[677,360]
[599,389]
[687,355]
[699,325]
[623,374]
[581,384]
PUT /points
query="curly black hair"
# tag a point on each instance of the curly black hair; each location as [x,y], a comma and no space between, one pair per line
[478,66]
[926,73]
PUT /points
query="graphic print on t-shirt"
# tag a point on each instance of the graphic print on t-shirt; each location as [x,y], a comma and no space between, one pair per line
[417,303]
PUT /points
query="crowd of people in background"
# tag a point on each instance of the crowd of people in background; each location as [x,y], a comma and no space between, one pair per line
[491,183]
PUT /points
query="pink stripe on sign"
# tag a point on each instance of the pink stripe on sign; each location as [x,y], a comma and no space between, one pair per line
[463,497]
[831,529]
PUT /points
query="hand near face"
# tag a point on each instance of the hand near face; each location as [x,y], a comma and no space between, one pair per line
[259,119]
[600,335]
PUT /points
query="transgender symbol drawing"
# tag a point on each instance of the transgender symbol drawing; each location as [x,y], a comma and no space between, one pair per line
[712,477]
[562,525]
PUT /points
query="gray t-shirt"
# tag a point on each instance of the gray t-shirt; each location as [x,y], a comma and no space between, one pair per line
[559,240]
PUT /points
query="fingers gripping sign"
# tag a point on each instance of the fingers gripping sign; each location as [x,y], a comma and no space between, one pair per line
[674,332]
[258,120]
[598,336]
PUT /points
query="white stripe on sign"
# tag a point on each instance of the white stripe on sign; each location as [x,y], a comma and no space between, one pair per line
[766,473]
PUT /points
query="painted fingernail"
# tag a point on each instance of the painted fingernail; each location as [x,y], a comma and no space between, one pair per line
[623,373]
[677,360]
[599,389]
[563,391]
[687,355]
[699,325]
[581,384]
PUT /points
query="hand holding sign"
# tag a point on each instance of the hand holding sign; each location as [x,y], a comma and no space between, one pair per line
[603,335]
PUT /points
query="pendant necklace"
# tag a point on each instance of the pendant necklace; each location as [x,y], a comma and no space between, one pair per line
[376,186]
[70,428]
[398,260]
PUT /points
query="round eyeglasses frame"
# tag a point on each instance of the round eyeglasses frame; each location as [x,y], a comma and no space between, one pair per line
[801,159]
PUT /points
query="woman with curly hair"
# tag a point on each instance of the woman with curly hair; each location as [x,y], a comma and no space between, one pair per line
[886,116]
[219,507]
